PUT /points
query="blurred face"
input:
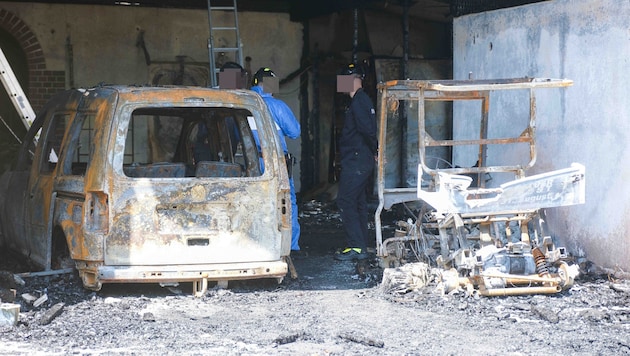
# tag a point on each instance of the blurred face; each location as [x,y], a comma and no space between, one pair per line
[270,85]
[356,85]
[348,83]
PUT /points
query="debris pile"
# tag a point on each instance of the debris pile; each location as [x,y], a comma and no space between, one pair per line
[324,311]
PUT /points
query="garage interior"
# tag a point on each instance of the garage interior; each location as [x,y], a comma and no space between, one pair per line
[54,45]
[340,308]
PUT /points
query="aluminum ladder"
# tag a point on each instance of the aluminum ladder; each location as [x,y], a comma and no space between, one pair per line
[213,50]
[18,98]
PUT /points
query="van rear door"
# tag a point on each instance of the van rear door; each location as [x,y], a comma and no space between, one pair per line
[190,188]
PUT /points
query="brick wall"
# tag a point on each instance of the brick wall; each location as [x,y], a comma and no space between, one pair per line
[42,83]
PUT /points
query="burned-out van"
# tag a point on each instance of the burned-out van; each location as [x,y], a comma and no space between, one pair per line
[148,184]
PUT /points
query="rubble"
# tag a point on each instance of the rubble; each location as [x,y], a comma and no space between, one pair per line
[51,314]
[9,314]
[41,300]
[407,278]
[29,298]
[360,339]
[546,314]
[326,311]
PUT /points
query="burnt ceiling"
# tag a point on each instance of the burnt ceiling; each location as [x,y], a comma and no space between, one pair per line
[300,10]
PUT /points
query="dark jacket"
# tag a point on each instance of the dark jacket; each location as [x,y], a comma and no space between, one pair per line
[358,136]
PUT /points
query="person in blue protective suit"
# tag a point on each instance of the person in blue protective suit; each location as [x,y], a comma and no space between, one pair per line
[358,149]
[288,126]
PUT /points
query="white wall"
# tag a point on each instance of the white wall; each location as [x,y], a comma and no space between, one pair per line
[587,41]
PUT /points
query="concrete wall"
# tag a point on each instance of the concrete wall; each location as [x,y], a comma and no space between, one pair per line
[104,38]
[586,41]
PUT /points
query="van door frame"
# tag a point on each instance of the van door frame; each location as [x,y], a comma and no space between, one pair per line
[41,194]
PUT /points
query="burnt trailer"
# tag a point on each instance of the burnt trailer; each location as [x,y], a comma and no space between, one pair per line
[489,239]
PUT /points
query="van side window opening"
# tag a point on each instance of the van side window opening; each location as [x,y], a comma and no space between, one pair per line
[80,144]
[178,142]
[86,139]
[52,146]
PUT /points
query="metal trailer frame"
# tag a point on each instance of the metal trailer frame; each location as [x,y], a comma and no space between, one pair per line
[493,238]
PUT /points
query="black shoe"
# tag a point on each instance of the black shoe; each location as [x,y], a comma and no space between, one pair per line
[351,253]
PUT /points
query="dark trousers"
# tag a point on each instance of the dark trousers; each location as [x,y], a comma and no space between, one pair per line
[352,202]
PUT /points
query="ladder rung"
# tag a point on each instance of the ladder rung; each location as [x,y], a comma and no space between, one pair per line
[232,26]
[225,49]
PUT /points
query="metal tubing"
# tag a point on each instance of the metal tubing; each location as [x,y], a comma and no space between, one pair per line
[380,172]
[46,273]
[515,278]
[519,291]
[383,252]
[402,109]
[200,287]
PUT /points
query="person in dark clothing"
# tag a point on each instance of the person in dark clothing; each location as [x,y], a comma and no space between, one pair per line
[358,148]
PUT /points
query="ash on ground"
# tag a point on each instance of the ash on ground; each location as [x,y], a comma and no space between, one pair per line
[332,308]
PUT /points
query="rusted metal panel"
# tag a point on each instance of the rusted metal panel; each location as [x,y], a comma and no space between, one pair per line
[471,87]
[553,189]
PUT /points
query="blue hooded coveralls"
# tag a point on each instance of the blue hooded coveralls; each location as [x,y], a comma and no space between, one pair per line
[288,126]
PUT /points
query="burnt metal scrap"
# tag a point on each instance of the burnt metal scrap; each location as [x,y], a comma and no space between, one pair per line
[488,239]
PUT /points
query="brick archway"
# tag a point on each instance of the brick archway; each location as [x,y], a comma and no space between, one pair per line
[42,83]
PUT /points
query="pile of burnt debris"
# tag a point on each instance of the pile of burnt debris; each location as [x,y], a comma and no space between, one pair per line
[41,296]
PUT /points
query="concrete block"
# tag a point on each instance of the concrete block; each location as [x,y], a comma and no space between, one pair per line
[51,314]
[9,314]
[41,300]
[29,298]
